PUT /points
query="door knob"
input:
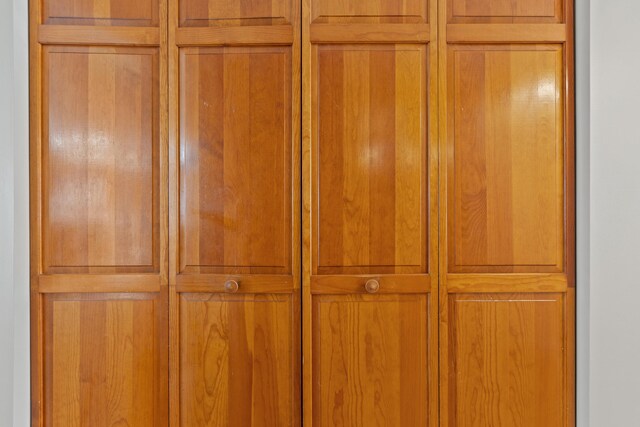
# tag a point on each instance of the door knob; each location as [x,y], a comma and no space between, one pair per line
[231,286]
[372,286]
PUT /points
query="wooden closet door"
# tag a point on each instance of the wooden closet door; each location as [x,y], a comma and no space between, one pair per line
[235,219]
[507,270]
[369,213]
[99,276]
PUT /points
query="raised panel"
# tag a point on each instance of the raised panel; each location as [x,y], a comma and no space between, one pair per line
[235,168]
[199,13]
[369,360]
[507,360]
[505,10]
[104,360]
[236,360]
[101,12]
[375,11]
[505,173]
[369,136]
[100,166]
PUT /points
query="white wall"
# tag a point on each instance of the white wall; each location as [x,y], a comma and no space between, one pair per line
[615,214]
[14,222]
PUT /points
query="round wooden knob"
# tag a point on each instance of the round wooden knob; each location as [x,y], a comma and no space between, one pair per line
[372,286]
[231,286]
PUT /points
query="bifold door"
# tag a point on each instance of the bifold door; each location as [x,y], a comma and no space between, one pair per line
[234,90]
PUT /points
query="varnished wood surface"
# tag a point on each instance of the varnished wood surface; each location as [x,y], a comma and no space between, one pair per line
[105,360]
[236,360]
[517,11]
[371,158]
[100,160]
[370,360]
[197,13]
[101,12]
[506,33]
[377,11]
[234,90]
[507,360]
[505,187]
[235,173]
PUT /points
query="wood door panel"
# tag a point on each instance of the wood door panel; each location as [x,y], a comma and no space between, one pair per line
[506,185]
[235,170]
[379,11]
[370,360]
[236,360]
[100,161]
[507,360]
[198,13]
[370,128]
[101,12]
[475,11]
[105,362]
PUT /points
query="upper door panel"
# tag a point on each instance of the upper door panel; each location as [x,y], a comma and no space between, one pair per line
[505,11]
[506,185]
[100,160]
[371,177]
[235,167]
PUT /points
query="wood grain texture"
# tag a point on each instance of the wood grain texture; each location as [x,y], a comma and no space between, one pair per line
[105,360]
[235,170]
[370,360]
[370,139]
[236,360]
[100,161]
[376,11]
[507,360]
[506,187]
[198,13]
[101,12]
[518,11]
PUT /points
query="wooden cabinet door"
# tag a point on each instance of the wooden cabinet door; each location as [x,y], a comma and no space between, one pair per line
[235,216]
[369,213]
[507,271]
[99,295]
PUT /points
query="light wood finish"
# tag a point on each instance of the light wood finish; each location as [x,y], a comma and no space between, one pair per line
[236,364]
[235,213]
[371,159]
[373,33]
[506,215]
[507,360]
[376,11]
[235,176]
[101,12]
[100,160]
[99,245]
[105,362]
[236,36]
[199,13]
[96,36]
[370,360]
[505,188]
[369,213]
[516,11]
[506,33]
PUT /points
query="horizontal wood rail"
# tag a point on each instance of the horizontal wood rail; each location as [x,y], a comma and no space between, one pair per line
[81,283]
[506,33]
[388,284]
[250,283]
[94,35]
[369,33]
[235,36]
[513,283]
